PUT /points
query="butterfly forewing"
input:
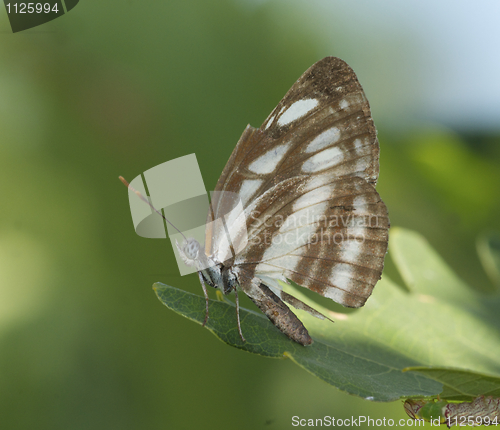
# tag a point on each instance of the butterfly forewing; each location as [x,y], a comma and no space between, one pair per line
[306,181]
[327,107]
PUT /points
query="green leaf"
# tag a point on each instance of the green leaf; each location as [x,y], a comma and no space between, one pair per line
[488,248]
[350,368]
[440,323]
[425,272]
[460,384]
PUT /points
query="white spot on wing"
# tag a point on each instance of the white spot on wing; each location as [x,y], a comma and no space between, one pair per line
[361,164]
[327,138]
[358,143]
[356,231]
[236,225]
[267,162]
[269,122]
[323,160]
[336,294]
[312,197]
[248,188]
[351,251]
[316,182]
[344,104]
[221,245]
[306,216]
[359,201]
[340,276]
[283,244]
[297,110]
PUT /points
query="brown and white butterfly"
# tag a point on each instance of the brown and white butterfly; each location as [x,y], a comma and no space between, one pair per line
[306,182]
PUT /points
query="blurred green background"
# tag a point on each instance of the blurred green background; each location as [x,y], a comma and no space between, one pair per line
[117,87]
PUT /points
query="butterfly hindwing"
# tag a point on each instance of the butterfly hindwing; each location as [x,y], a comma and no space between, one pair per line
[331,239]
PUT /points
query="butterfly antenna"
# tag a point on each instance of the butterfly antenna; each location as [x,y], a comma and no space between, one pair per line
[145,200]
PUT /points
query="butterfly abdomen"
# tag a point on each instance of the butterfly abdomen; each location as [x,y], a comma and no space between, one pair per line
[279,314]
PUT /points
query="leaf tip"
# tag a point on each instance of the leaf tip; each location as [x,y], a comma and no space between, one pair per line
[157,286]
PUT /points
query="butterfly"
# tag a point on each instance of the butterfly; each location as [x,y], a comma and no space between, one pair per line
[297,201]
[309,212]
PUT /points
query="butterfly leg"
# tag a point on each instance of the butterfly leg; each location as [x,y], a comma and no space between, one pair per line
[238,315]
[205,292]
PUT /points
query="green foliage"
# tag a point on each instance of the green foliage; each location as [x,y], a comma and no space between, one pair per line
[461,385]
[440,323]
[488,248]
